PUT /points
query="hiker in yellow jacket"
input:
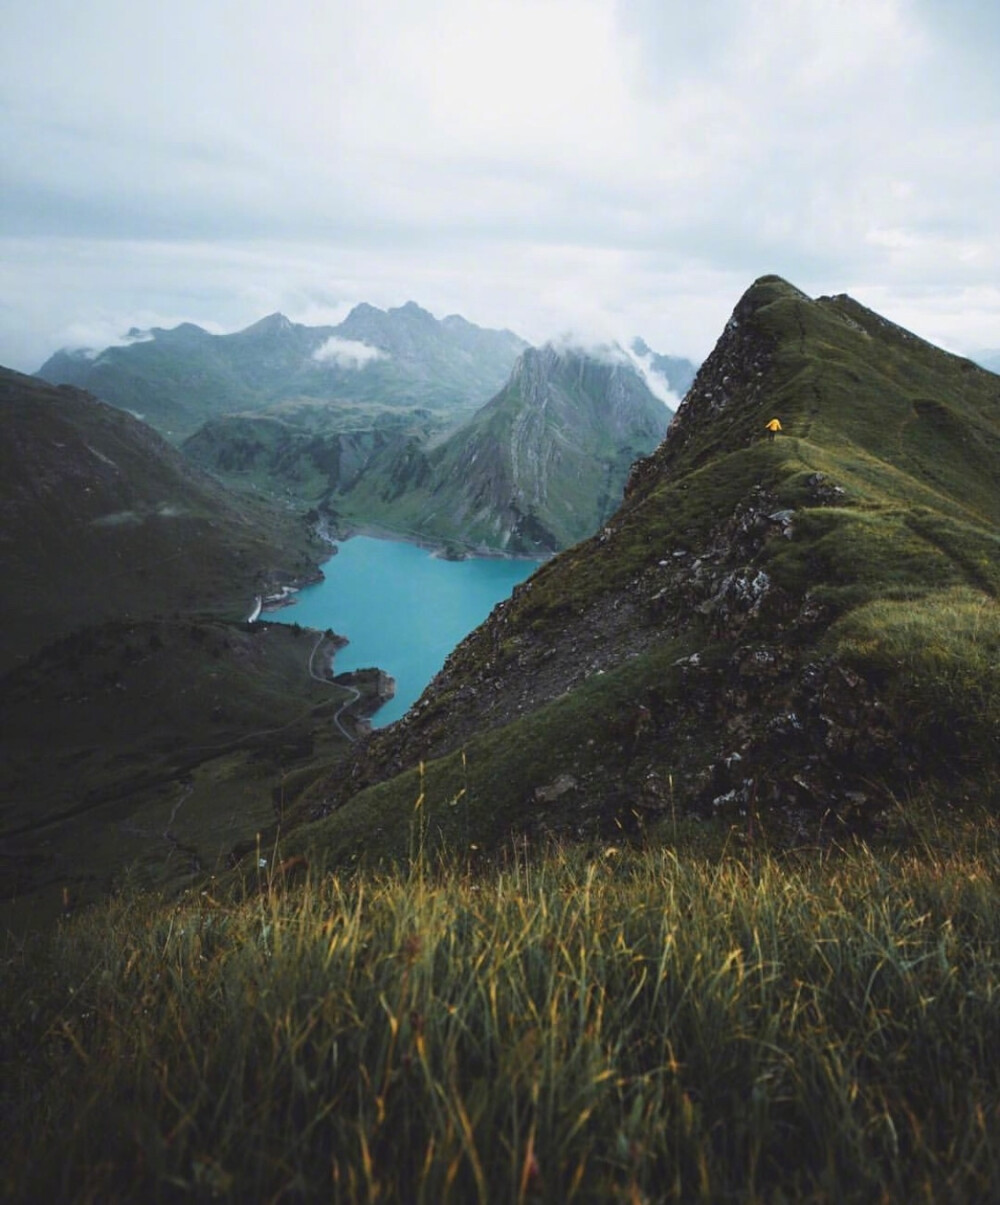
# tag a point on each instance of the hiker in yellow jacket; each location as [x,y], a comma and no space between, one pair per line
[772,428]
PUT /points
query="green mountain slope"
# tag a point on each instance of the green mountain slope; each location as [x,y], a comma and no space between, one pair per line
[103,519]
[536,469]
[803,631]
[303,449]
[178,379]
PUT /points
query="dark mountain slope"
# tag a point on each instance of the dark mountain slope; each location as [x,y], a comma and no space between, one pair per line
[101,519]
[536,469]
[178,379]
[140,726]
[804,628]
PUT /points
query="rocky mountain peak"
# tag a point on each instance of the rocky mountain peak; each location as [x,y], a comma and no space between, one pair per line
[534,366]
[363,310]
[411,310]
[273,324]
[724,409]
[403,330]
[553,360]
[535,469]
[186,333]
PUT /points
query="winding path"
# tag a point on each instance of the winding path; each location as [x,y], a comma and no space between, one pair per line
[354,693]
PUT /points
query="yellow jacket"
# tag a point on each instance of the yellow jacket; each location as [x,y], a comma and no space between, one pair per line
[773,425]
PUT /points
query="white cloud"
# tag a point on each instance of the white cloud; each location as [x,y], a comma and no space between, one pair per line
[579,343]
[656,383]
[347,353]
[613,352]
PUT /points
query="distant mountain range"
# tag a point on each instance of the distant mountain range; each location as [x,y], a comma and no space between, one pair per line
[534,470]
[383,419]
[178,379]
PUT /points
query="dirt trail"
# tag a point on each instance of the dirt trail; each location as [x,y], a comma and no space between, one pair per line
[354,693]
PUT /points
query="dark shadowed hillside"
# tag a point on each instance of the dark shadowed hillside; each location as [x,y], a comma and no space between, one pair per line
[102,519]
[143,724]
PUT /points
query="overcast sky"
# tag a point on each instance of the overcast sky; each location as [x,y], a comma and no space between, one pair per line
[610,167]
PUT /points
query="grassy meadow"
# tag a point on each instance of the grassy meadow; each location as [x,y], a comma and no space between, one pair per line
[712,1021]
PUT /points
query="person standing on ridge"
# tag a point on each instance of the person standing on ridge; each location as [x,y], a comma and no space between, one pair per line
[772,428]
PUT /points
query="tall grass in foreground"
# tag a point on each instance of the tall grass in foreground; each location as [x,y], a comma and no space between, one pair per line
[634,1026]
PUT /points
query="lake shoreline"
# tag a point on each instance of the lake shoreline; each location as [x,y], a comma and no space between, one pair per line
[402,608]
[436,547]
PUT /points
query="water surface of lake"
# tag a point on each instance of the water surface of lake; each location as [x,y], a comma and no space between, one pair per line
[402,609]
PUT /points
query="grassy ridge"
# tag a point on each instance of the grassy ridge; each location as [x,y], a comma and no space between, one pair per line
[906,597]
[481,793]
[602,1025]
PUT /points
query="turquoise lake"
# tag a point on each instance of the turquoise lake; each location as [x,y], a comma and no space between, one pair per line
[402,609]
